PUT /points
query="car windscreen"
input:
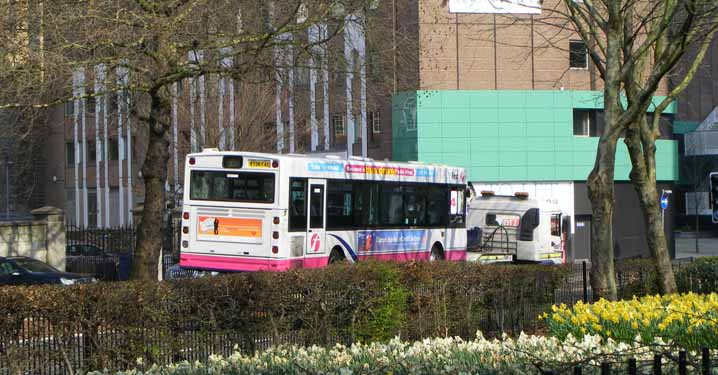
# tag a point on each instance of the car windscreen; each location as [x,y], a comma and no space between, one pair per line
[232,186]
[33,265]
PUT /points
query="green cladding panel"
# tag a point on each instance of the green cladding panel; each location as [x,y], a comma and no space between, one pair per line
[509,135]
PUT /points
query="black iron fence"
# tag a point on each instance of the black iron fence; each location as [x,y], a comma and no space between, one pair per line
[660,364]
[114,248]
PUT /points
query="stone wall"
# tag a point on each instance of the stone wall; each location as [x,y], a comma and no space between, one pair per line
[42,238]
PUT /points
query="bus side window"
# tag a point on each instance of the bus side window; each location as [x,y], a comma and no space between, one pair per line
[457,210]
[437,206]
[298,205]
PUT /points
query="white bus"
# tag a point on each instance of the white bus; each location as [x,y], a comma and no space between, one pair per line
[514,228]
[252,211]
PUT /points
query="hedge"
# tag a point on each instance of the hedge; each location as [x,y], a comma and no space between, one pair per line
[113,324]
[638,277]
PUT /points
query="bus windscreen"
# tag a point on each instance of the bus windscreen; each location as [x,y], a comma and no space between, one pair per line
[232,186]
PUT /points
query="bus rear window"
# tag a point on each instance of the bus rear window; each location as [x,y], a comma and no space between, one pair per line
[232,186]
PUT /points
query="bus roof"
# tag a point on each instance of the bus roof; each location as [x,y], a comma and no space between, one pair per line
[330,166]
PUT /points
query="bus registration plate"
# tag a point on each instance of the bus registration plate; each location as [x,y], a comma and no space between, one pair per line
[260,164]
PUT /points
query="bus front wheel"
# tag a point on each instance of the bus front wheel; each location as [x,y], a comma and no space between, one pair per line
[437,253]
[336,256]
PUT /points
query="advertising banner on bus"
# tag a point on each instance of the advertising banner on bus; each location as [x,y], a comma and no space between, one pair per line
[400,240]
[229,226]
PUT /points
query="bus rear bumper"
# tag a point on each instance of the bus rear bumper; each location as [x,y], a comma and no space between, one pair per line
[230,263]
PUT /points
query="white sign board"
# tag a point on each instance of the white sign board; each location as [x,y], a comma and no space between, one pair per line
[495,6]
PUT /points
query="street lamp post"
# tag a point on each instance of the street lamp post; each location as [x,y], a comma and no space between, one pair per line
[664,204]
[8,163]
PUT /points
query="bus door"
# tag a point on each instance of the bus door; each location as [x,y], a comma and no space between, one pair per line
[316,217]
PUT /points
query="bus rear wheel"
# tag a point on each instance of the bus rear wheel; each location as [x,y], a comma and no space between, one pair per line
[336,256]
[437,253]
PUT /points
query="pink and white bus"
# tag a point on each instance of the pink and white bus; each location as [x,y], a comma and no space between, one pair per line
[251,211]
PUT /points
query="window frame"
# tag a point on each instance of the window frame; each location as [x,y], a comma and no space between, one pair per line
[375,122]
[339,119]
[302,227]
[70,154]
[444,220]
[585,126]
[274,188]
[572,53]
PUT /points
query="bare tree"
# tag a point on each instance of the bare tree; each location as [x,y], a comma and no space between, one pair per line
[634,45]
[151,40]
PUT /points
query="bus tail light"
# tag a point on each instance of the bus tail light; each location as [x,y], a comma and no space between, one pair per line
[275,163]
[185,215]
[191,161]
[185,244]
[185,230]
[276,220]
[275,235]
[275,249]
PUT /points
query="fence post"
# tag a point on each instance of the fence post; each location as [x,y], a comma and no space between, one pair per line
[682,363]
[706,361]
[632,369]
[585,282]
[605,368]
[657,365]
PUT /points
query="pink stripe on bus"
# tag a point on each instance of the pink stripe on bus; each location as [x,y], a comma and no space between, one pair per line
[230,263]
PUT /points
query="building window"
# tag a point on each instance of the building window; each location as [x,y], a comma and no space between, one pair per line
[578,55]
[90,103]
[113,150]
[70,108]
[583,123]
[70,147]
[91,151]
[374,121]
[338,124]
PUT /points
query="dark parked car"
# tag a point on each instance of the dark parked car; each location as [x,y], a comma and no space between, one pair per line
[89,259]
[28,271]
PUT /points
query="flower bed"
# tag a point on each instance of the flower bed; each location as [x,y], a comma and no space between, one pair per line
[689,320]
[526,354]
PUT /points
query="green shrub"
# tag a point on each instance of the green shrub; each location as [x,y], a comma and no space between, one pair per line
[700,276]
[382,315]
[636,277]
[190,319]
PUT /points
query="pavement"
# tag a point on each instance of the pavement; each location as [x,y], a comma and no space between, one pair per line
[686,247]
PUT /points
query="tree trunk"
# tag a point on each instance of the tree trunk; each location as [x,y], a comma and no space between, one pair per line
[600,180]
[154,173]
[643,177]
[600,192]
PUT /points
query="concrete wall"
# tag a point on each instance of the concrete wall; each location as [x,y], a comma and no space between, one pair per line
[629,230]
[42,238]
